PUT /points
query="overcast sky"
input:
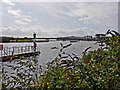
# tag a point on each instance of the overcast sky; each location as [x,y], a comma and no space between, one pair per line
[53,19]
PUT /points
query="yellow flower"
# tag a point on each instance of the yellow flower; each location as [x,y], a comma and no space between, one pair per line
[43,85]
[47,83]
[39,84]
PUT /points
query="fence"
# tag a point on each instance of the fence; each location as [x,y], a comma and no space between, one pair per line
[15,50]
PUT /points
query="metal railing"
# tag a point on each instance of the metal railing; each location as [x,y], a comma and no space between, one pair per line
[8,51]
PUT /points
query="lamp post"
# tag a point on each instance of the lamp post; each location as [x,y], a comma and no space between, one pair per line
[34,41]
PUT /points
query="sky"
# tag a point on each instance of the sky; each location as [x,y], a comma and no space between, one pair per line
[55,19]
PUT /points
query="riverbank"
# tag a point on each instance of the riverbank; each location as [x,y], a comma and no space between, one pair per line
[18,40]
[23,41]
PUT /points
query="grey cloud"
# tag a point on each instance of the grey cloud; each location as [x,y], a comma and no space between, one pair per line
[18,14]
[8,2]
[41,32]
[14,13]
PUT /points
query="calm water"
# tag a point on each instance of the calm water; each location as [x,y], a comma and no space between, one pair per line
[48,54]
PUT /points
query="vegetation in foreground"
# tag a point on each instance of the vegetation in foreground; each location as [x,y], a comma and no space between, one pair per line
[99,69]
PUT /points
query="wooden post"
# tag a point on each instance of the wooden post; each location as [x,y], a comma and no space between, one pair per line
[13,51]
[9,51]
[18,50]
[25,49]
[4,51]
[32,48]
[1,53]
[21,50]
[28,48]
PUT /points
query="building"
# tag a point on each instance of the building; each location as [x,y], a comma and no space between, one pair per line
[100,36]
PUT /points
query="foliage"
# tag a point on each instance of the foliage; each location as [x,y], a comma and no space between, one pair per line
[25,73]
[98,69]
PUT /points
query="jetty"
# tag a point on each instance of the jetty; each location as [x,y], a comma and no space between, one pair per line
[10,53]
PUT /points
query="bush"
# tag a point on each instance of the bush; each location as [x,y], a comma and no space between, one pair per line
[25,74]
[99,69]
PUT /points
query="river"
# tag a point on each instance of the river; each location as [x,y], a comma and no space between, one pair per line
[48,54]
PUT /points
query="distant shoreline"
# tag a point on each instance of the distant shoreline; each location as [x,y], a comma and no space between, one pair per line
[43,41]
[24,42]
[71,39]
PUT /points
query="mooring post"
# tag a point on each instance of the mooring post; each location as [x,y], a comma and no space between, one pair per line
[1,53]
[18,50]
[25,49]
[21,50]
[1,48]
[13,51]
[4,51]
[9,51]
[28,48]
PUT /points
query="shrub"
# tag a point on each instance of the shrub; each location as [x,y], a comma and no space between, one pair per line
[98,69]
[25,73]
